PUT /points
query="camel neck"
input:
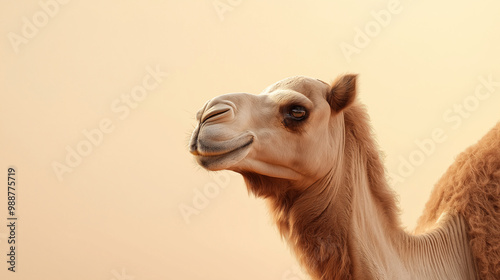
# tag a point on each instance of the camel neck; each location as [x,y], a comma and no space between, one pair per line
[379,247]
[345,234]
[371,235]
[315,223]
[385,251]
[345,225]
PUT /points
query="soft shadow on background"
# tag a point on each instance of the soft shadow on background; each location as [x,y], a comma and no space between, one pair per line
[98,100]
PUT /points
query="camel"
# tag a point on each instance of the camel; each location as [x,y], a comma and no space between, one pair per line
[307,148]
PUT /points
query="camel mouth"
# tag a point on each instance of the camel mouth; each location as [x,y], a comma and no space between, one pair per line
[224,160]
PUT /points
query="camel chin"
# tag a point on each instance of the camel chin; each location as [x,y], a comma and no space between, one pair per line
[226,159]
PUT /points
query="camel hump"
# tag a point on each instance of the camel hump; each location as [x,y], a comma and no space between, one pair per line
[472,187]
[477,170]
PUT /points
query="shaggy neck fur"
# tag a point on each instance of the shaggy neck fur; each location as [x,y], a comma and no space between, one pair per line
[345,225]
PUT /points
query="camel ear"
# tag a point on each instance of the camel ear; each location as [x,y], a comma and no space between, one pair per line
[343,92]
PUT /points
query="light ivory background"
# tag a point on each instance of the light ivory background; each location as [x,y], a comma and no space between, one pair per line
[116,215]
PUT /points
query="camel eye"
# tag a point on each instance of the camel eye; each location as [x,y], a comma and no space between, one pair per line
[298,113]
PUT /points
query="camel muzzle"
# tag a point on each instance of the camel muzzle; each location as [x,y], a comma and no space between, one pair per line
[217,141]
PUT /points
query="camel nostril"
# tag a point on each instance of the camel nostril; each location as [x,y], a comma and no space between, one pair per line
[216,112]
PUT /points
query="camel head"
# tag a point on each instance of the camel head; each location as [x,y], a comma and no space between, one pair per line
[292,132]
